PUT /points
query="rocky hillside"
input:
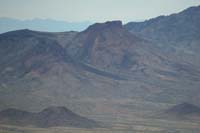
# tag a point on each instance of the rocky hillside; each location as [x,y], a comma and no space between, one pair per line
[176,28]
[103,62]
[177,34]
[109,46]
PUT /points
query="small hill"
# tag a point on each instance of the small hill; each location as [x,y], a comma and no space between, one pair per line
[49,117]
[183,111]
[61,116]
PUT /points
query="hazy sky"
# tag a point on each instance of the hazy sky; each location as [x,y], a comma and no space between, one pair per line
[92,10]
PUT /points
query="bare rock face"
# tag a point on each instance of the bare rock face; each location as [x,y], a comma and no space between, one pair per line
[107,25]
[110,46]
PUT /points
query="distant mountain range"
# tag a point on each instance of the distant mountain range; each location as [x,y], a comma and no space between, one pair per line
[155,61]
[50,25]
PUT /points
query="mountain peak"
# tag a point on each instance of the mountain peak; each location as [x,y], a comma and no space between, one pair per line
[106,25]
